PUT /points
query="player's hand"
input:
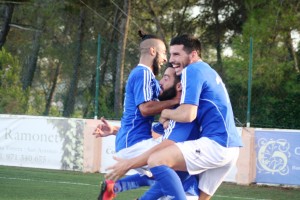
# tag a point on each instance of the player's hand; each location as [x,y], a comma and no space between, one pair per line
[118,170]
[164,122]
[104,129]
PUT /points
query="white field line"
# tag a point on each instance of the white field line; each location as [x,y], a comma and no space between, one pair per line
[45,181]
[246,198]
[86,184]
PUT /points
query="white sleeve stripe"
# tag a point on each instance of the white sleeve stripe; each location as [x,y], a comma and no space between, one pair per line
[183,85]
[150,94]
[168,131]
[147,85]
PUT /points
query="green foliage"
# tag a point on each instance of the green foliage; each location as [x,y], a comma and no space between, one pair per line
[274,83]
[236,78]
[36,104]
[275,86]
[106,103]
[13,100]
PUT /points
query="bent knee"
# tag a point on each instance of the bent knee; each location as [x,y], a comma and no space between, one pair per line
[155,160]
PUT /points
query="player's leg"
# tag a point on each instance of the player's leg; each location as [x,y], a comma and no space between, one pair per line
[109,189]
[154,192]
[204,196]
[189,182]
[210,180]
[210,160]
[160,164]
[132,182]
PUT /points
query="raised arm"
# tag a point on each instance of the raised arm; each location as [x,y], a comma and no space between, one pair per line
[105,129]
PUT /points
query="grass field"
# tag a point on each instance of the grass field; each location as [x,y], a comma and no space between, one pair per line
[40,184]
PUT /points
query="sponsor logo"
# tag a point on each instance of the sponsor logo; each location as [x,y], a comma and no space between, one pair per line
[273,156]
[27,136]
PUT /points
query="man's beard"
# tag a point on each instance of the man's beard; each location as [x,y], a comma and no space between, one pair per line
[168,94]
[155,65]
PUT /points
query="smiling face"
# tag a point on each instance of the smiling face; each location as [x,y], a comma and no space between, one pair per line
[153,54]
[179,58]
[168,84]
[184,50]
[160,58]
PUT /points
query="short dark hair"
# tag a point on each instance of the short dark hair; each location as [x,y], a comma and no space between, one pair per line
[189,42]
[177,77]
[145,36]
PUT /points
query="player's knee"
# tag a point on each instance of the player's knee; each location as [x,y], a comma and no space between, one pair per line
[155,160]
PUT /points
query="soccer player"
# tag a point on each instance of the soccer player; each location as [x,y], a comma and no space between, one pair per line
[204,98]
[141,98]
[140,105]
[170,84]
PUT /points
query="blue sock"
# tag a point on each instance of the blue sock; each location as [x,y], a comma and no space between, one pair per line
[169,182]
[183,175]
[154,192]
[189,182]
[132,182]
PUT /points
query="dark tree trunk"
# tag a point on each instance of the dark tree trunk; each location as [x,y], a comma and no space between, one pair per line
[8,12]
[157,21]
[53,87]
[124,25]
[107,53]
[29,69]
[69,102]
[292,52]
[218,33]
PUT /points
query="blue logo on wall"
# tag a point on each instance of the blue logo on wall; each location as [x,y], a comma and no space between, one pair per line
[278,157]
[273,156]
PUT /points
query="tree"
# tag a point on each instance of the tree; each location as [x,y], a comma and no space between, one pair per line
[275,86]
[7,16]
[69,102]
[220,21]
[124,25]
[30,67]
[53,82]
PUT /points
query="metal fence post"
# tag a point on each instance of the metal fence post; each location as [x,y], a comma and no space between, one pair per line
[97,77]
[249,82]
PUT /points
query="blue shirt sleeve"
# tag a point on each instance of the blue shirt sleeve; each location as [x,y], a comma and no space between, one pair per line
[191,86]
[145,87]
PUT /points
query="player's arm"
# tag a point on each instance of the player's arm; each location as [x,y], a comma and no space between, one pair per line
[151,108]
[191,91]
[183,113]
[105,129]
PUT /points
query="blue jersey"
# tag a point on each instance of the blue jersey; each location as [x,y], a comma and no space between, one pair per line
[158,128]
[141,87]
[180,132]
[203,87]
[177,131]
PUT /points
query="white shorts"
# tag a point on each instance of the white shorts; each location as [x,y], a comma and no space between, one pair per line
[210,160]
[138,149]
